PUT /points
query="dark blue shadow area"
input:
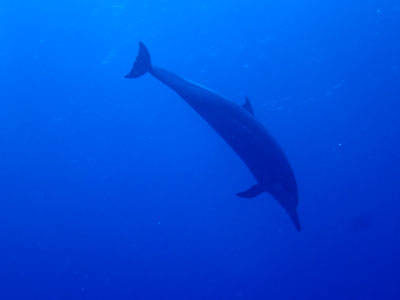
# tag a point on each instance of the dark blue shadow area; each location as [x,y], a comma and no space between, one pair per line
[117,189]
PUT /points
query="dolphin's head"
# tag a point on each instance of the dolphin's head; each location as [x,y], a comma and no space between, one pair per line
[286,194]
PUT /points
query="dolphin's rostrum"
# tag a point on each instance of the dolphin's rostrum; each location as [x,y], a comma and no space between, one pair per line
[240,129]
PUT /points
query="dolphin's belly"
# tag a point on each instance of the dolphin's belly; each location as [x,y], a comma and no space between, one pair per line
[249,139]
[243,133]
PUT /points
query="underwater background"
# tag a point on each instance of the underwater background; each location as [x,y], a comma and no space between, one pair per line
[116,189]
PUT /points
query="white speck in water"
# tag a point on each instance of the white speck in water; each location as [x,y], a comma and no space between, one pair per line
[267,39]
[108,58]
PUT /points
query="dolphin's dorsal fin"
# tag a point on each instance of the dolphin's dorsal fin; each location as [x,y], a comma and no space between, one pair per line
[247,106]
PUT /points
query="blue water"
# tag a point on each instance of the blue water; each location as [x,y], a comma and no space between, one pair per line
[116,189]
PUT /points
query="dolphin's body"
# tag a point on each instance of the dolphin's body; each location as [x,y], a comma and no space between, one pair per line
[240,129]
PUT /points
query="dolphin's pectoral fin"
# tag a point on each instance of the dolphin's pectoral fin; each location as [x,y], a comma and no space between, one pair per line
[247,106]
[252,192]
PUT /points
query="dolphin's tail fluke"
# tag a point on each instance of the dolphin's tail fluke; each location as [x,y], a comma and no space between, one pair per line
[142,64]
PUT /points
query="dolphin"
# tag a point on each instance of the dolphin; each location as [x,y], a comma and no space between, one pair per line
[239,128]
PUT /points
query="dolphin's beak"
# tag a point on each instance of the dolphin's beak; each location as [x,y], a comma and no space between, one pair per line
[295,218]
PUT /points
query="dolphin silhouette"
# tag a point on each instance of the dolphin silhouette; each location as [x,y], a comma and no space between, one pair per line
[240,129]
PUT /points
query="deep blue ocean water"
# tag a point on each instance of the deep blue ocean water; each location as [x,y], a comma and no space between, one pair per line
[116,189]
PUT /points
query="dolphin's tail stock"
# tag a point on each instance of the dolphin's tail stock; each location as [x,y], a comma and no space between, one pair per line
[142,64]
